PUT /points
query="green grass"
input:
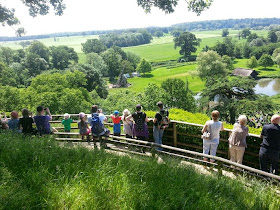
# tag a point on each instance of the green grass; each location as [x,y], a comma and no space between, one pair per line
[72,41]
[38,173]
[158,75]
[271,72]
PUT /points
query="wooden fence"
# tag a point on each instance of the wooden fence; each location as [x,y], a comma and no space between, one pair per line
[188,136]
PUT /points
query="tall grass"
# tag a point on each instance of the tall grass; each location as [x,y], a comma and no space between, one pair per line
[38,173]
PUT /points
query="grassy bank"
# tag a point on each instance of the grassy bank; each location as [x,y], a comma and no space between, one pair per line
[37,173]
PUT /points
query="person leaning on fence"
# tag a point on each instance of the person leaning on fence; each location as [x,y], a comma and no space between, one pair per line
[213,127]
[127,123]
[26,123]
[83,126]
[117,123]
[237,140]
[13,123]
[43,121]
[66,122]
[160,121]
[140,127]
[270,147]
[102,117]
[97,127]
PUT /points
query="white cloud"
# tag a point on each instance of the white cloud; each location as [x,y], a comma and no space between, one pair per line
[85,15]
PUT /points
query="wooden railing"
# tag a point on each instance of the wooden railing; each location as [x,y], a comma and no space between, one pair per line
[188,136]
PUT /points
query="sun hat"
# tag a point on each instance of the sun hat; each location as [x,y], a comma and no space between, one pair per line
[82,115]
[116,112]
[66,116]
[126,112]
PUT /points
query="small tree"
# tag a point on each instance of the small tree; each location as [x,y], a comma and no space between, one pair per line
[252,62]
[225,32]
[93,45]
[158,34]
[245,33]
[277,60]
[265,61]
[144,67]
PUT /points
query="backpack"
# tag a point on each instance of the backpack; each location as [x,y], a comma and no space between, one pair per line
[96,125]
[164,123]
[139,122]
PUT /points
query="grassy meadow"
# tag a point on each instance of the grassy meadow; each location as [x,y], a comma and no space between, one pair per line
[38,173]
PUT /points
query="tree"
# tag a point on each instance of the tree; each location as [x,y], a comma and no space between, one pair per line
[40,49]
[245,33]
[225,48]
[144,67]
[25,44]
[97,62]
[252,62]
[35,64]
[272,37]
[133,59]
[252,37]
[265,61]
[177,95]
[257,42]
[277,60]
[113,61]
[188,42]
[8,76]
[6,54]
[94,79]
[158,34]
[228,61]
[93,45]
[176,33]
[225,32]
[62,56]
[210,65]
[152,95]
[227,94]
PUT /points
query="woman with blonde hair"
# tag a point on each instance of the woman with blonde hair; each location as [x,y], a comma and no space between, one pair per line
[213,127]
[127,123]
[237,140]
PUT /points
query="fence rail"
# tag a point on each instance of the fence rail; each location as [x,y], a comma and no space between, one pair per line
[177,135]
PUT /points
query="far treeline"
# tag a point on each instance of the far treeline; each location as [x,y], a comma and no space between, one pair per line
[252,23]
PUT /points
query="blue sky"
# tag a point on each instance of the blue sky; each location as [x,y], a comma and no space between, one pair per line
[83,15]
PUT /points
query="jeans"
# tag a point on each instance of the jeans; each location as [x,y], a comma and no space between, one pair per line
[269,160]
[210,146]
[158,133]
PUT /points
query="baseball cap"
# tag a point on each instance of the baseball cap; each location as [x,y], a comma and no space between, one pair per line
[116,112]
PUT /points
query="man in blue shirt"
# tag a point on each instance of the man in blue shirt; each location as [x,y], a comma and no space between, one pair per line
[270,147]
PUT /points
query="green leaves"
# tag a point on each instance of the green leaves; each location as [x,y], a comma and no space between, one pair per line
[188,42]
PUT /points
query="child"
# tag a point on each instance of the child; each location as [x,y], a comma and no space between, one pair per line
[117,123]
[14,122]
[67,123]
[26,123]
[3,123]
[83,126]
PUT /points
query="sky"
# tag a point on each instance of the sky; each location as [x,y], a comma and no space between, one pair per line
[86,15]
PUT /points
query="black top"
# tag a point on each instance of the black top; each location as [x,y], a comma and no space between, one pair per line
[26,123]
[159,115]
[137,115]
[271,137]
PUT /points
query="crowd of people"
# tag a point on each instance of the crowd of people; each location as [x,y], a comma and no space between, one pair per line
[135,126]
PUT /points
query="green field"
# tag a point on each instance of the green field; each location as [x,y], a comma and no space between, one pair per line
[158,75]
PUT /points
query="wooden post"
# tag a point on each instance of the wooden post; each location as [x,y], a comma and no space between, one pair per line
[174,134]
[230,132]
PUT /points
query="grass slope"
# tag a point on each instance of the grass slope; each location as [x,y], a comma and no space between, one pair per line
[37,173]
[160,74]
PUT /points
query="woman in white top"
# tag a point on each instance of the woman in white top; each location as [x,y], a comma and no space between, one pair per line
[237,140]
[127,123]
[213,126]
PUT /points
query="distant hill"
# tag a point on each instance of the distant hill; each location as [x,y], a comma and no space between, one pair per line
[252,23]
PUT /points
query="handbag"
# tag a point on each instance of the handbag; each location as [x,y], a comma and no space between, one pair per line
[206,135]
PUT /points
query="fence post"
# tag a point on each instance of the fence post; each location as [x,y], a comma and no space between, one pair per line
[230,132]
[174,134]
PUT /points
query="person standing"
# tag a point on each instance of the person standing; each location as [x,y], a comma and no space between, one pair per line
[117,123]
[270,147]
[66,122]
[237,140]
[160,121]
[214,127]
[140,127]
[127,123]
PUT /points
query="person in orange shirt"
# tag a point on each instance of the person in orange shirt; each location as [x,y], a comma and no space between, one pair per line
[117,123]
